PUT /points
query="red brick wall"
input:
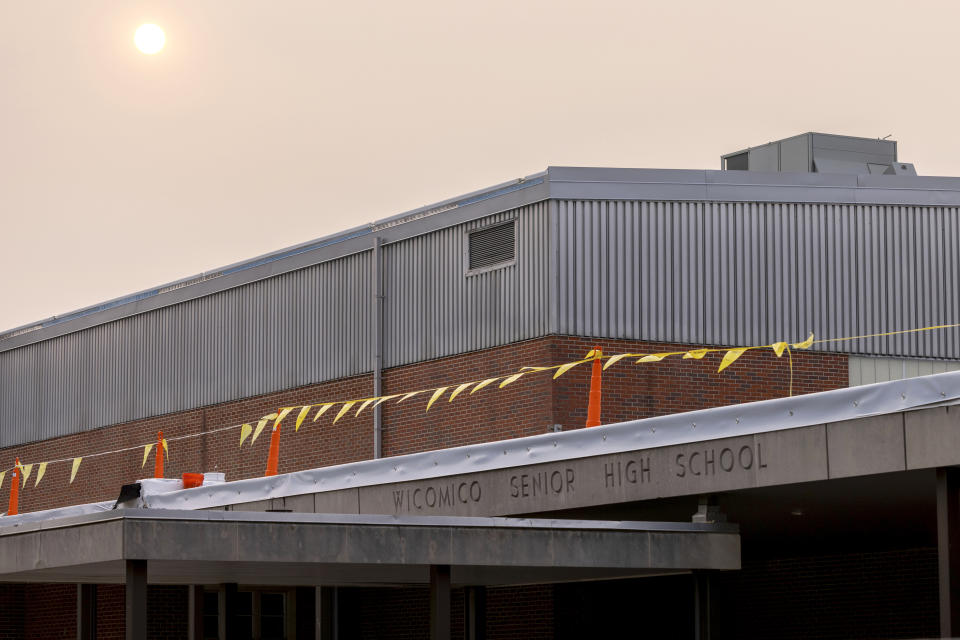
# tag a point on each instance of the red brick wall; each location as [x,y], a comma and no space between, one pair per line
[527,407]
[50,611]
[11,611]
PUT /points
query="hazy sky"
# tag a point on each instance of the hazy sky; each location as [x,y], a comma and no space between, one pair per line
[264,124]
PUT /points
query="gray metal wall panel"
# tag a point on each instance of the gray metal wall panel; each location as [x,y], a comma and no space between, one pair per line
[752,273]
[433,308]
[290,330]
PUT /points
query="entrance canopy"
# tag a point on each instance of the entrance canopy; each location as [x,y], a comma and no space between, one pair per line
[205,547]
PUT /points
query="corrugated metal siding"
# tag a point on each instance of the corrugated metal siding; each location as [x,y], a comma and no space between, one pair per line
[753,273]
[432,309]
[867,369]
[294,329]
[283,332]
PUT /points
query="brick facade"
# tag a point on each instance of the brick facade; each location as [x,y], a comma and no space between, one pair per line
[527,407]
[530,406]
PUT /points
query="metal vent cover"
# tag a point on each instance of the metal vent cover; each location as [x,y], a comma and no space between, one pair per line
[492,246]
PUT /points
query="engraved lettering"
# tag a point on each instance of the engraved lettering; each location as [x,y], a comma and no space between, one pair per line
[475,485]
[514,487]
[416,503]
[749,462]
[708,466]
[695,454]
[680,463]
[726,459]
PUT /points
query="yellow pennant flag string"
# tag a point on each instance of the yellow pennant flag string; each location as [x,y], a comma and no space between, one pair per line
[612,360]
[730,357]
[346,407]
[146,452]
[657,357]
[778,348]
[245,431]
[366,403]
[459,390]
[436,394]
[511,379]
[695,354]
[805,344]
[384,399]
[280,416]
[304,412]
[562,369]
[27,468]
[482,384]
[3,474]
[166,449]
[41,470]
[408,395]
[73,471]
[323,409]
[260,426]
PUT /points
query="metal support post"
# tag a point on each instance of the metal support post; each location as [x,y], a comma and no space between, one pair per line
[475,613]
[377,346]
[948,550]
[136,599]
[440,602]
[86,611]
[195,611]
[701,605]
[326,613]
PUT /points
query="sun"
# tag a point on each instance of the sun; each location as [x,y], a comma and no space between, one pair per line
[149,38]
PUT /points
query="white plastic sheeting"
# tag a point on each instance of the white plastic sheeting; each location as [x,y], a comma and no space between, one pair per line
[695,426]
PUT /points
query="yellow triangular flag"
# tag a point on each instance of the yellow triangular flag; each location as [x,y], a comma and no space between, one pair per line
[346,407]
[458,390]
[304,412]
[654,357]
[695,354]
[41,470]
[590,354]
[3,474]
[535,368]
[562,369]
[614,359]
[280,416]
[730,357]
[778,348]
[73,471]
[166,449]
[26,468]
[806,344]
[482,384]
[383,399]
[408,395]
[260,426]
[364,405]
[433,398]
[245,430]
[147,448]
[510,379]
[323,409]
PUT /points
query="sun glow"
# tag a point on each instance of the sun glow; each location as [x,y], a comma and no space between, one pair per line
[149,38]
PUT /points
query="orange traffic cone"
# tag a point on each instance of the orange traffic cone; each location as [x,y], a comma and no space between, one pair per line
[158,461]
[14,508]
[593,408]
[273,458]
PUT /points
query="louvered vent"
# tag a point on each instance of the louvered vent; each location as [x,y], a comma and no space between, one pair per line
[492,246]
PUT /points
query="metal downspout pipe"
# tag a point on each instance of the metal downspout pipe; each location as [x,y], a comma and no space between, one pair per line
[377,346]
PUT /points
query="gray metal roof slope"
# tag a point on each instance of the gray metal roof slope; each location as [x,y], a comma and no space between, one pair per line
[555,183]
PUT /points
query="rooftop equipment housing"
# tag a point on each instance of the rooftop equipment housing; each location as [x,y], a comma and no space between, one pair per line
[821,153]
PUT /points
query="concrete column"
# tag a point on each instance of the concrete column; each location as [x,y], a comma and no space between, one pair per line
[136,599]
[195,612]
[326,612]
[86,611]
[440,602]
[475,613]
[948,550]
[701,605]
